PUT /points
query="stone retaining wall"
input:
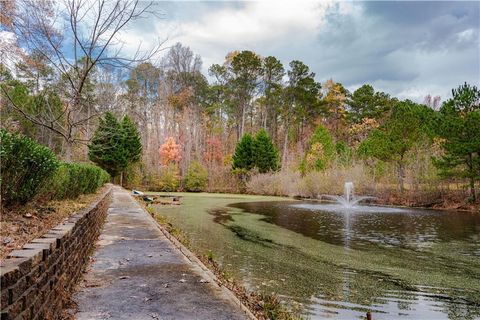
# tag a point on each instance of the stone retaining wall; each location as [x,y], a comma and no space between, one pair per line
[38,279]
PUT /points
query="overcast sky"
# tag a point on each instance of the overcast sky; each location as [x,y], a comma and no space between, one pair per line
[408,49]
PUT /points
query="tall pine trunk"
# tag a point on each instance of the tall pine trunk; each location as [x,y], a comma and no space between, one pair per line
[285,145]
[242,129]
[401,175]
[472,190]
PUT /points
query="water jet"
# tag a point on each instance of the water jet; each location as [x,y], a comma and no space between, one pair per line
[348,200]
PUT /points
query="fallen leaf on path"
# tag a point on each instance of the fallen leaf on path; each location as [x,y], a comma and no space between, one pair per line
[182,280]
[104,315]
[124,277]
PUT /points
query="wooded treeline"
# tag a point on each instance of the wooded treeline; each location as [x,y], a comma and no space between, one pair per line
[56,90]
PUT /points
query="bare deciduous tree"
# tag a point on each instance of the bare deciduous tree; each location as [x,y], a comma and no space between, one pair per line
[76,37]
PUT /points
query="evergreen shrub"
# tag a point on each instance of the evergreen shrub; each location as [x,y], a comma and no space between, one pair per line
[25,165]
[30,170]
[74,179]
[264,152]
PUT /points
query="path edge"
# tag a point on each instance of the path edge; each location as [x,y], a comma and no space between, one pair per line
[207,273]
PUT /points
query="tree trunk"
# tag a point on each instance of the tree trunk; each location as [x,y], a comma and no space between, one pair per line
[264,124]
[121,179]
[67,154]
[88,121]
[472,190]
[275,129]
[401,172]
[243,123]
[285,146]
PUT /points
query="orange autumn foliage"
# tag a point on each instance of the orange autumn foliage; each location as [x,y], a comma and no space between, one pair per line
[213,153]
[169,152]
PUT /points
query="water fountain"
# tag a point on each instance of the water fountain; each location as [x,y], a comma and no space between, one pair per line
[348,200]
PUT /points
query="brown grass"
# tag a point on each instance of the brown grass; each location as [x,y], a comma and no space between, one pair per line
[432,194]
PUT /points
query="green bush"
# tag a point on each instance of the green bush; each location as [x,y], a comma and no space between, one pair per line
[25,166]
[344,153]
[320,152]
[197,177]
[74,179]
[169,178]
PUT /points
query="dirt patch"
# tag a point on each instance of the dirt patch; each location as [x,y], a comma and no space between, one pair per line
[22,224]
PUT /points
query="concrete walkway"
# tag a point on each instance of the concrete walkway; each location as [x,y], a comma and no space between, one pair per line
[138,274]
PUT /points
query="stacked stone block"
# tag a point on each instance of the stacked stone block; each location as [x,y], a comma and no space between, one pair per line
[38,279]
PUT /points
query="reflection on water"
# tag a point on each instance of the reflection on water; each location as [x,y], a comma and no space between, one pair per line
[397,227]
[398,263]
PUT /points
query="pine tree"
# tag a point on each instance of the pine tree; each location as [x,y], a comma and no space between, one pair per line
[105,148]
[115,145]
[132,143]
[243,158]
[459,128]
[408,124]
[265,153]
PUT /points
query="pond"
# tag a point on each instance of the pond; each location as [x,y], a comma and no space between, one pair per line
[395,263]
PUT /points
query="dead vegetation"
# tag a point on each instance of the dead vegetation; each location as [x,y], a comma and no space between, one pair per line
[22,224]
[434,194]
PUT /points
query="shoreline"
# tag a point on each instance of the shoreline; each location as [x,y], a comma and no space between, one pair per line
[256,306]
[474,209]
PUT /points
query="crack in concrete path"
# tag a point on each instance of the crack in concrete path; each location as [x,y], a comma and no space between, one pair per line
[137,273]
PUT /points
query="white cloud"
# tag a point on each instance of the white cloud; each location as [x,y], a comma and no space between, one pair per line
[259,26]
[10,53]
[407,56]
